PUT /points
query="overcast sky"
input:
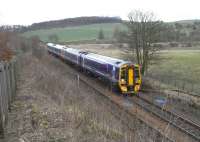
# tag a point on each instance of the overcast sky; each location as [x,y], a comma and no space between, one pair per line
[26,12]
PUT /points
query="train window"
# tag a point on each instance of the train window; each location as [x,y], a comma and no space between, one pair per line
[117,62]
[117,73]
[124,74]
[83,52]
[136,72]
[110,69]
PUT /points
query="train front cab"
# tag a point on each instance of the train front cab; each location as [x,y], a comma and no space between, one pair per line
[129,79]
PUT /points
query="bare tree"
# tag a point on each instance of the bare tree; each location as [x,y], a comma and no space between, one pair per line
[144,30]
[5,52]
[101,34]
[36,48]
[53,38]
[120,35]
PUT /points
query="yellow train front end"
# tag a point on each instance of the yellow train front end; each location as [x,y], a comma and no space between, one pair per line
[129,79]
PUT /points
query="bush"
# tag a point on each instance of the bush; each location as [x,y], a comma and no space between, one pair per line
[5,52]
[173,44]
[53,38]
[101,34]
[37,50]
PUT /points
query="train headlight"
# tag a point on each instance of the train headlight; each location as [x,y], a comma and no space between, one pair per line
[137,88]
[137,80]
[123,81]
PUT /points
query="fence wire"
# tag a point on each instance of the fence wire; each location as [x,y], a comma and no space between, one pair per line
[174,83]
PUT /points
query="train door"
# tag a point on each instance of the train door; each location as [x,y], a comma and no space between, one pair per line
[62,52]
[127,79]
[82,55]
[127,76]
[130,76]
[123,80]
[80,60]
[123,76]
[113,73]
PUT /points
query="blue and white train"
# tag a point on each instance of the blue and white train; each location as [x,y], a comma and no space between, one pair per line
[124,75]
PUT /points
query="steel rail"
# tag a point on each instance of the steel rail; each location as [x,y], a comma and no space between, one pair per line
[187,126]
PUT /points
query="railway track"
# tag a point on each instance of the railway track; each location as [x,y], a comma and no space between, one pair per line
[183,124]
[187,126]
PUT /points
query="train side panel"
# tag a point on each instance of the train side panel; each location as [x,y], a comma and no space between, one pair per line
[105,70]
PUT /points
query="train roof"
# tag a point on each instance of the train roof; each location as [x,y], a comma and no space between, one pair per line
[105,59]
[96,57]
[63,47]
[72,50]
[56,45]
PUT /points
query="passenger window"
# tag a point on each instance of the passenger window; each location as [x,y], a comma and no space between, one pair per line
[117,73]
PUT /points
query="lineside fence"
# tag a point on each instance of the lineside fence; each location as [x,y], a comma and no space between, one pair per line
[174,83]
[7,91]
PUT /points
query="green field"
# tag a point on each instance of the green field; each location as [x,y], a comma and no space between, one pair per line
[180,63]
[87,32]
[180,68]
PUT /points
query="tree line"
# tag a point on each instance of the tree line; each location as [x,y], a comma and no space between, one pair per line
[171,32]
[69,22]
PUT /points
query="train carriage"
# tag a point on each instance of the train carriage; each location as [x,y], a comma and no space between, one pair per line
[55,49]
[71,55]
[103,66]
[123,74]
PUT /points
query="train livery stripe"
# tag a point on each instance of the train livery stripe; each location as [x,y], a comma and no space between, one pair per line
[130,76]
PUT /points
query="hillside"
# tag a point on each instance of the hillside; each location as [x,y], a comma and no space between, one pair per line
[87,28]
[68,22]
[192,21]
[77,21]
[77,33]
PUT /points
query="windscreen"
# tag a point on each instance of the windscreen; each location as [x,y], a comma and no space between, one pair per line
[136,72]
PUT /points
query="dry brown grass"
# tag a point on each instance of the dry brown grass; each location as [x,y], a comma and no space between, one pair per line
[50,106]
[5,52]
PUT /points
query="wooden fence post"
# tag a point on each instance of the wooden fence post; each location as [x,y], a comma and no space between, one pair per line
[7,91]
[1,101]
[8,84]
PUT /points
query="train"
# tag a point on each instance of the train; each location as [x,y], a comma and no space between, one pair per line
[123,75]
